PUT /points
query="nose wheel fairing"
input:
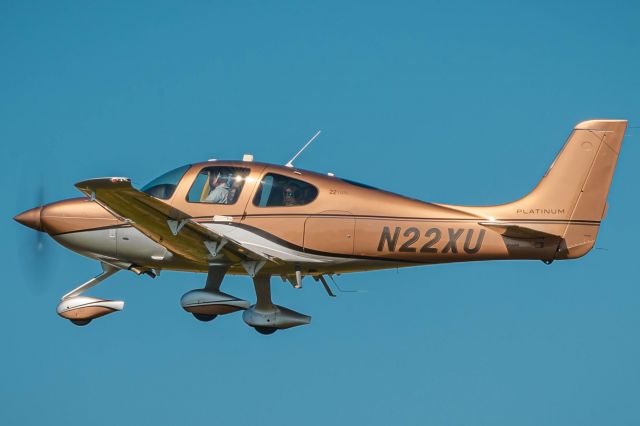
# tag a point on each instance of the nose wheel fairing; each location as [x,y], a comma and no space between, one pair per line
[81,310]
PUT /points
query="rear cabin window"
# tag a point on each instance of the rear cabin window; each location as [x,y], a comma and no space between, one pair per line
[282,191]
[218,185]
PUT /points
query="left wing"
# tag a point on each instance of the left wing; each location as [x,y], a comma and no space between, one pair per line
[168,226]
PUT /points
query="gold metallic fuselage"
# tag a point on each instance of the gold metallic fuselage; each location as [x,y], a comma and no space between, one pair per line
[360,228]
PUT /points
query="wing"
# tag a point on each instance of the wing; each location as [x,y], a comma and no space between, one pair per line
[168,226]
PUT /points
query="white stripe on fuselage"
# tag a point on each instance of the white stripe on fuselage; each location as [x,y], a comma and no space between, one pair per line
[264,246]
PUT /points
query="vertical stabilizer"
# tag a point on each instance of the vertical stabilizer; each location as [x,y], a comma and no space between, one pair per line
[576,186]
[578,180]
[571,199]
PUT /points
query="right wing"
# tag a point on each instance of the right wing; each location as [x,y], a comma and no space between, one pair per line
[168,226]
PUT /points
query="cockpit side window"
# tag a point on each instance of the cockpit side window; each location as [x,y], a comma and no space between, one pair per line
[218,185]
[164,186]
[282,191]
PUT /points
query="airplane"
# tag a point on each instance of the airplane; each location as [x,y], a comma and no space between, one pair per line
[265,220]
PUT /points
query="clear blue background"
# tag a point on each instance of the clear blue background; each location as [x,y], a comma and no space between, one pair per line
[447,101]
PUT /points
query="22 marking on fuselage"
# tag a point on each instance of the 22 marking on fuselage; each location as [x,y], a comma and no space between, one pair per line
[433,235]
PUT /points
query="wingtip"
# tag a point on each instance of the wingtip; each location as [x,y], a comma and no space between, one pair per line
[102,181]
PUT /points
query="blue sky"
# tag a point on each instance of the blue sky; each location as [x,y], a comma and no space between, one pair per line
[455,102]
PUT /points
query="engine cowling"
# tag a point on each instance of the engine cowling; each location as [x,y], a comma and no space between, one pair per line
[274,317]
[210,302]
[82,309]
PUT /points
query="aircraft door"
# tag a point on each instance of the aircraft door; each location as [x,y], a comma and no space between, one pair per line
[217,189]
[332,232]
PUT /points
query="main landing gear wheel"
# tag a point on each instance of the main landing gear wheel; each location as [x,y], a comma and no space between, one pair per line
[81,323]
[204,317]
[266,330]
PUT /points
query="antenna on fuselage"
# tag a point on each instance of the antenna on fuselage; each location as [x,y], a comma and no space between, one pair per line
[290,163]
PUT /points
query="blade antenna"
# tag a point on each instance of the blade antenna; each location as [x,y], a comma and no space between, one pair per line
[290,163]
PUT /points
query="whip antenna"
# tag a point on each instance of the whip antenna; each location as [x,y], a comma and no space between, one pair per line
[290,163]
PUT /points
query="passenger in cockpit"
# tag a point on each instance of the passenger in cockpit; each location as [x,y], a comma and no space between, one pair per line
[291,195]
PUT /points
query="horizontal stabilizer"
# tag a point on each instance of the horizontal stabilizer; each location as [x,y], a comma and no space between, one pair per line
[512,230]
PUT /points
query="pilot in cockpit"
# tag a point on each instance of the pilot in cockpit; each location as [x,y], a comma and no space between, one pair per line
[220,187]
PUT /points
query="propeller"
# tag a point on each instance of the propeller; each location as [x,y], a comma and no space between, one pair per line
[36,249]
[40,236]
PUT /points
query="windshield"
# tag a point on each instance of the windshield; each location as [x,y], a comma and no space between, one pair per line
[163,187]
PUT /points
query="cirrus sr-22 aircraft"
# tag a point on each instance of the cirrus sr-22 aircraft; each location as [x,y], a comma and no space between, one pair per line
[265,220]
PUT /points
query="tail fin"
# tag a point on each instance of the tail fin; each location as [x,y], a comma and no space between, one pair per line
[574,189]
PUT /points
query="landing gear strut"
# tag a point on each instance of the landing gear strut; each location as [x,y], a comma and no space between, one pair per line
[207,303]
[266,317]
